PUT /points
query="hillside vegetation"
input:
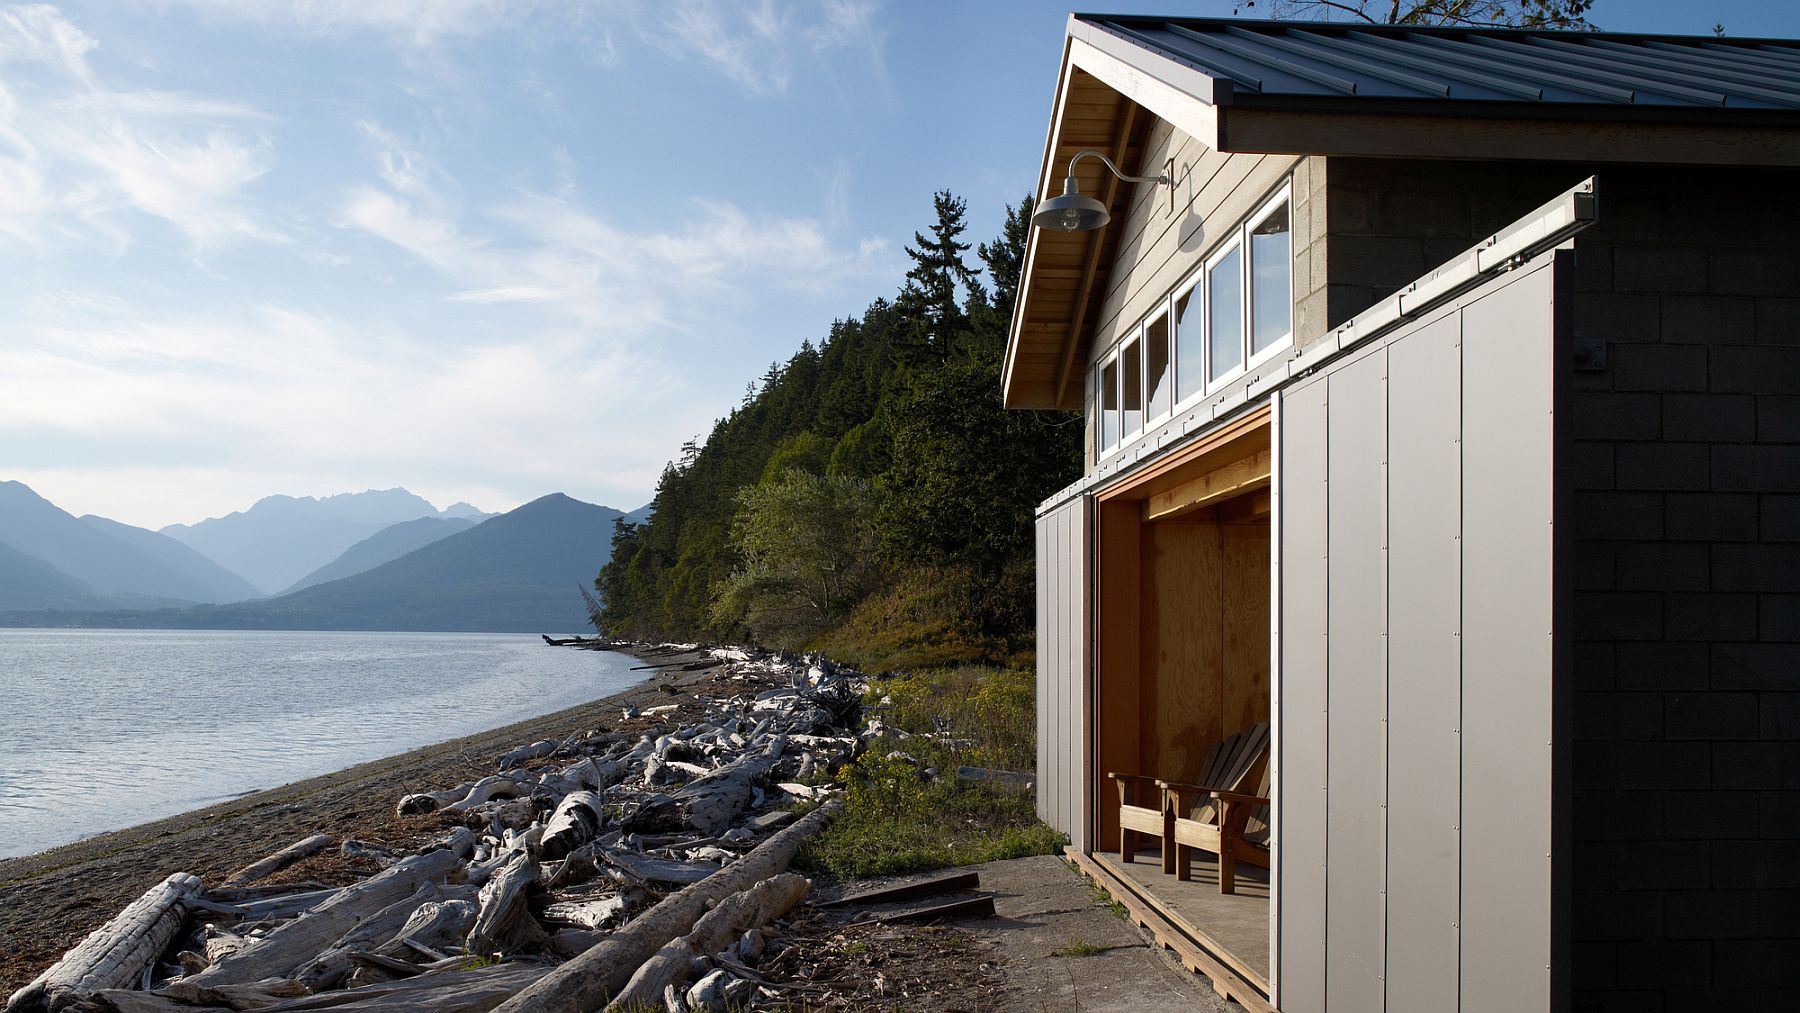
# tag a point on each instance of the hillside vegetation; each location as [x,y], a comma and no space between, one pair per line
[868,497]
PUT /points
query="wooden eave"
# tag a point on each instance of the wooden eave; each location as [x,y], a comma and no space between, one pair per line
[1110,90]
[1065,272]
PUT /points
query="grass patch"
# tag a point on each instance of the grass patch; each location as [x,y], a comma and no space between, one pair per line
[895,820]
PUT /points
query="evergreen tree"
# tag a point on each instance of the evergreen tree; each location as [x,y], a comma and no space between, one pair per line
[938,269]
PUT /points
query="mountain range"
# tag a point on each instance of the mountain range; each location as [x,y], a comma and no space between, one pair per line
[281,540]
[111,564]
[456,569]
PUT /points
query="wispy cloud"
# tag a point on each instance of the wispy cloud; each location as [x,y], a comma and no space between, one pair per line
[550,249]
[76,153]
[761,44]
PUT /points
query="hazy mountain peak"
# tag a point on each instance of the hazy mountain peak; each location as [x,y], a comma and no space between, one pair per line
[108,556]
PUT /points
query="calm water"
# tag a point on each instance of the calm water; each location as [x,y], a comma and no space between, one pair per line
[103,729]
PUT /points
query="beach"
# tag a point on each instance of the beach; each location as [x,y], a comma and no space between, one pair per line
[52,899]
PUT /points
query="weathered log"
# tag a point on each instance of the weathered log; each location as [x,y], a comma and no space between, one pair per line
[280,860]
[590,914]
[430,801]
[503,920]
[284,950]
[331,966]
[492,786]
[658,870]
[710,804]
[289,905]
[116,954]
[575,822]
[586,982]
[455,991]
[674,964]
[541,748]
[432,928]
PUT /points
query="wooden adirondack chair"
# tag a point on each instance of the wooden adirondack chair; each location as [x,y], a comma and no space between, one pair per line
[1231,824]
[1229,764]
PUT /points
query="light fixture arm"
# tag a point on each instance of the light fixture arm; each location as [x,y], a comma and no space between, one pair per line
[1069,178]
[1071,212]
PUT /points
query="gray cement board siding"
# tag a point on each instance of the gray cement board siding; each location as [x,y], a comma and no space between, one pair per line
[1062,566]
[1355,689]
[1433,884]
[1424,665]
[1508,563]
[1302,794]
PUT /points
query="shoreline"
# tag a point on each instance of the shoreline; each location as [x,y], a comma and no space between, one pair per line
[50,899]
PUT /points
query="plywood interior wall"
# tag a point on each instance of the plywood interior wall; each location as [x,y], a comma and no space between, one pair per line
[1183,640]
[1204,639]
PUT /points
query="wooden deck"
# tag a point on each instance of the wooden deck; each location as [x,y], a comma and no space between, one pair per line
[1224,936]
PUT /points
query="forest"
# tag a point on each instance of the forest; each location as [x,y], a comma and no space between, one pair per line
[869,497]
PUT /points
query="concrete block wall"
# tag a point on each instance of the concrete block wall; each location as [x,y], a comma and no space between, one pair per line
[1685,474]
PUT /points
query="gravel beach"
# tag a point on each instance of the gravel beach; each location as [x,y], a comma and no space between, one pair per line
[50,900]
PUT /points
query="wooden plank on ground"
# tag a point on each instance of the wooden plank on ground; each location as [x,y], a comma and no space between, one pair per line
[1144,911]
[908,891]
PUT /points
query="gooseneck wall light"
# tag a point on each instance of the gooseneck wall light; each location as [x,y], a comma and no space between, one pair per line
[1072,212]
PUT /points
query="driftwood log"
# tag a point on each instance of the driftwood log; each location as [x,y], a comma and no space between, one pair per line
[280,860]
[681,960]
[588,981]
[281,952]
[116,954]
[332,966]
[711,803]
[576,820]
[503,922]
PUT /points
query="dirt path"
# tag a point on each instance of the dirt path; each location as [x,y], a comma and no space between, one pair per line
[50,900]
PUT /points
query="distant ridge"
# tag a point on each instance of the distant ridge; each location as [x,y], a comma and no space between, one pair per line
[27,582]
[280,540]
[520,572]
[389,543]
[110,558]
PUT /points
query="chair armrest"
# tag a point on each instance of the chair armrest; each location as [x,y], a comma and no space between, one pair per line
[1238,796]
[1183,786]
[1133,778]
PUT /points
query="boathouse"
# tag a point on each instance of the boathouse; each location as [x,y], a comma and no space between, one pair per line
[1424,633]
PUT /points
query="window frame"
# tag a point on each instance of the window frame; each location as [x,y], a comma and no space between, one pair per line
[1194,286]
[1253,358]
[1223,250]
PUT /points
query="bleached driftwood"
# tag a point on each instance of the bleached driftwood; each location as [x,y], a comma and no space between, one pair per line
[587,981]
[680,960]
[492,786]
[502,920]
[589,914]
[116,954]
[331,966]
[284,950]
[575,822]
[280,860]
[431,928]
[450,991]
[658,870]
[541,748]
[711,803]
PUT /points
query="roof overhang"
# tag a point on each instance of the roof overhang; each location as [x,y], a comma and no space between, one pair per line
[1110,89]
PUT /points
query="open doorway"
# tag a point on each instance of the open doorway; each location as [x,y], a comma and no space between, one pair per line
[1182,650]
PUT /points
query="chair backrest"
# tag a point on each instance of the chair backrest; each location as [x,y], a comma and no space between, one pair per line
[1230,763]
[1256,828]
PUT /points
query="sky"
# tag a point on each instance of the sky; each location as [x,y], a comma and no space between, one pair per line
[483,249]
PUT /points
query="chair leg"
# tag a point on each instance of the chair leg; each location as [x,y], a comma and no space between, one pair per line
[1227,870]
[1183,863]
[1126,844]
[1168,841]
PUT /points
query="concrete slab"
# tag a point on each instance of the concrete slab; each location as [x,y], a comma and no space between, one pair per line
[1061,947]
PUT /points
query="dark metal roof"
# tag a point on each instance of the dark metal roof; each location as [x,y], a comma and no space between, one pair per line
[1277,63]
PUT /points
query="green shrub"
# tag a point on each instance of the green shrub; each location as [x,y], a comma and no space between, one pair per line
[894,821]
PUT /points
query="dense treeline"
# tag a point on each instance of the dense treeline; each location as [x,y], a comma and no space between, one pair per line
[869,496]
